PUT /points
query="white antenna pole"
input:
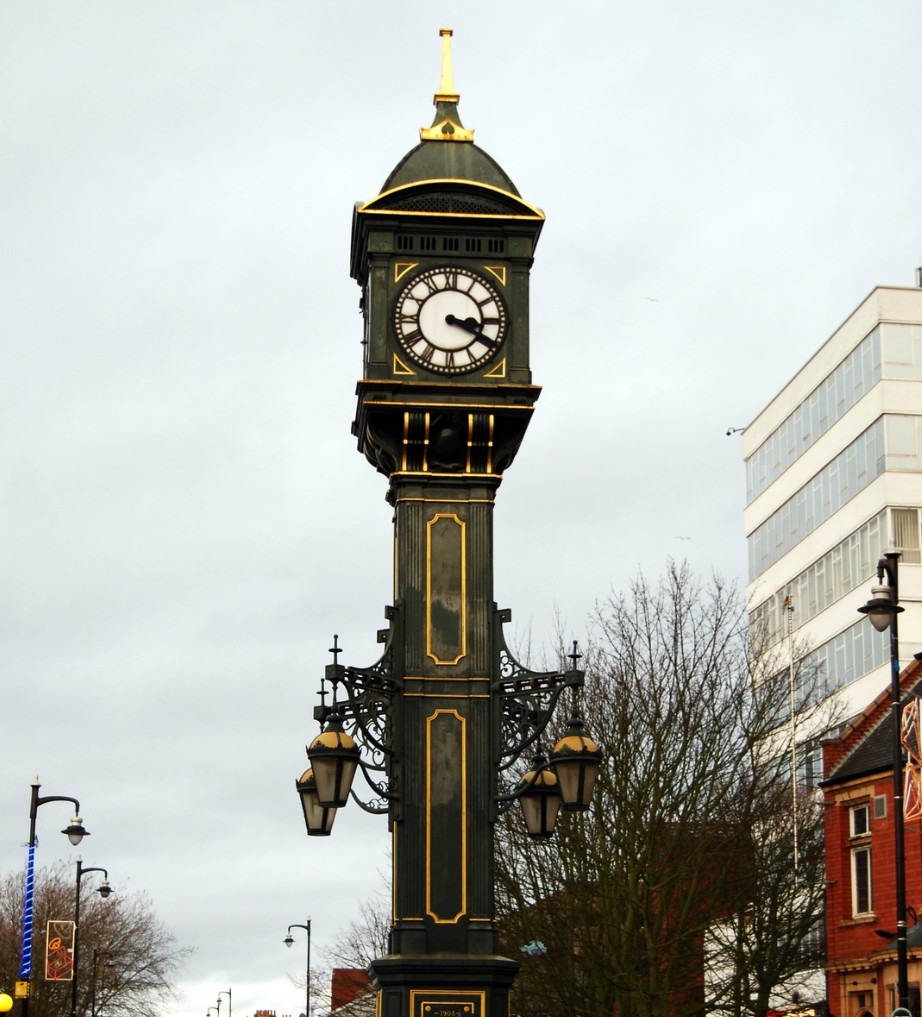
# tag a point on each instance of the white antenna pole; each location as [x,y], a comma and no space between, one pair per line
[789,609]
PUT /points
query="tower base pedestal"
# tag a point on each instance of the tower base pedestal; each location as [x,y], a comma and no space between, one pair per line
[443,985]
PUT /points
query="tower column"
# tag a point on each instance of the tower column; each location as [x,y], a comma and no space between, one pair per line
[442,256]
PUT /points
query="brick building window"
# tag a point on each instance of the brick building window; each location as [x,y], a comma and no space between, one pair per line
[859,829]
[859,824]
[914,998]
[861,881]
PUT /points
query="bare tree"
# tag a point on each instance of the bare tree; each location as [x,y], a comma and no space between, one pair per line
[365,937]
[128,956]
[614,914]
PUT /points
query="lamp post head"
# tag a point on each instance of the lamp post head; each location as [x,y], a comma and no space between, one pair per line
[76,832]
[539,796]
[334,757]
[105,889]
[288,940]
[881,609]
[317,818]
[576,760]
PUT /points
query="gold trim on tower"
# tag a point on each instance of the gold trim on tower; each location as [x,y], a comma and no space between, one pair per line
[448,1003]
[438,749]
[446,588]
[402,267]
[479,443]
[498,370]
[532,211]
[400,368]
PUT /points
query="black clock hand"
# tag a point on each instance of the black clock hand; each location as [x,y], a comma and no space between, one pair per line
[471,325]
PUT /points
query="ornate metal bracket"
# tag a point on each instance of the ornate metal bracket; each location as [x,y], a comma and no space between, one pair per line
[366,711]
[526,701]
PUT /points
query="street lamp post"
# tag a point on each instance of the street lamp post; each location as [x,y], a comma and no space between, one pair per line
[882,611]
[289,942]
[103,892]
[228,994]
[75,833]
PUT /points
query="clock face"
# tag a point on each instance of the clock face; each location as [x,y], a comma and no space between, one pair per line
[450,320]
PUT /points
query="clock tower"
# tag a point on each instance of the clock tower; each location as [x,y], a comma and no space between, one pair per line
[442,256]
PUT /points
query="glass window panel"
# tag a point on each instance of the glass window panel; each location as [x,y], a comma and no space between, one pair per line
[905,527]
[901,435]
[861,881]
[841,570]
[835,395]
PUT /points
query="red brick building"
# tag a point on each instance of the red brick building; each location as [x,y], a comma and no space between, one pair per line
[347,985]
[860,865]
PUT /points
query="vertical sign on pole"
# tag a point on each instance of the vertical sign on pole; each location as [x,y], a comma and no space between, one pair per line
[59,951]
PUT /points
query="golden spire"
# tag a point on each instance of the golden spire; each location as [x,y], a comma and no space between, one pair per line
[447,124]
[446,92]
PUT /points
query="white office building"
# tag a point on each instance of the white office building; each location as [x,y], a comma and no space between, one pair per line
[834,477]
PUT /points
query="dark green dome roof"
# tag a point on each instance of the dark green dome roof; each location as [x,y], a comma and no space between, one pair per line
[433,160]
[448,159]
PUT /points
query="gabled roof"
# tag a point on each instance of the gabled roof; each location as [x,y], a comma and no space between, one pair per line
[871,732]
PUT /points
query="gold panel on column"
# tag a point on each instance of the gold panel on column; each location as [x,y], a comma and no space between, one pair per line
[446,588]
[446,1003]
[446,816]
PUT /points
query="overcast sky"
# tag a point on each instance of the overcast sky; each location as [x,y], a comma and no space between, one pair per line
[185,518]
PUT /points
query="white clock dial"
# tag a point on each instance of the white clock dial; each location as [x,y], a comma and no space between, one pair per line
[450,320]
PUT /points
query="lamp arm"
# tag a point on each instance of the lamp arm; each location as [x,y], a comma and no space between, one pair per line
[524,700]
[525,714]
[44,799]
[369,693]
[94,868]
[368,711]
[377,806]
[506,801]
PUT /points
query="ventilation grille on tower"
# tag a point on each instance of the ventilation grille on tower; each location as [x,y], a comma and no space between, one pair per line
[457,203]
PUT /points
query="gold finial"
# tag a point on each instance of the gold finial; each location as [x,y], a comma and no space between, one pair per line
[447,125]
[446,92]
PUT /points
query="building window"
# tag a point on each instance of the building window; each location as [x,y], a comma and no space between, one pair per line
[914,998]
[837,483]
[880,806]
[860,1003]
[906,534]
[847,566]
[833,397]
[846,657]
[861,881]
[901,349]
[859,821]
